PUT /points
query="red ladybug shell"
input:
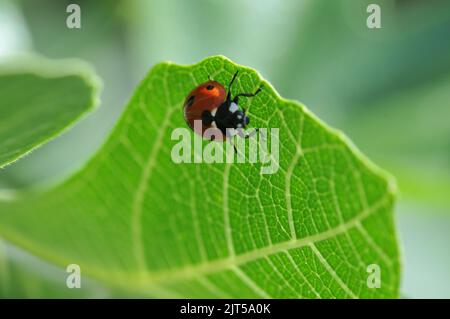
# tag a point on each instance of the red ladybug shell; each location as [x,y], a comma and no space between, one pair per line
[205,97]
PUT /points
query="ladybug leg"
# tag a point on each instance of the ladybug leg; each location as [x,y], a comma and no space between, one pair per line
[236,98]
[230,140]
[241,133]
[234,146]
[248,135]
[207,118]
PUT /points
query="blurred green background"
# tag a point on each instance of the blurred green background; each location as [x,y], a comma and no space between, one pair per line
[388,89]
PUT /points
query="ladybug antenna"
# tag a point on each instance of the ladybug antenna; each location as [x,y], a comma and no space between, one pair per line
[230,85]
[232,80]
[236,98]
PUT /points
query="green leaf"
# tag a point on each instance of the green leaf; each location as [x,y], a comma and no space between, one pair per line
[134,219]
[39,99]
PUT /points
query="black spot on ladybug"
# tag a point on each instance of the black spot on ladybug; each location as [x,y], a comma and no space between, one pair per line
[210,87]
[190,101]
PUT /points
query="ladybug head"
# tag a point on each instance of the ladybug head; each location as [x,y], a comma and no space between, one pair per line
[241,119]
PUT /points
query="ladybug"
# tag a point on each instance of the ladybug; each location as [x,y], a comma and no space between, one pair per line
[212,106]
